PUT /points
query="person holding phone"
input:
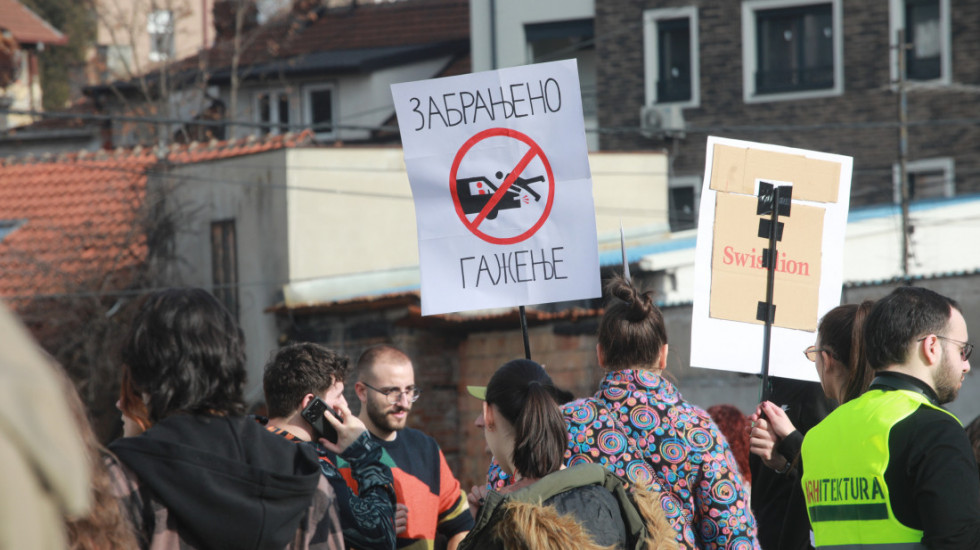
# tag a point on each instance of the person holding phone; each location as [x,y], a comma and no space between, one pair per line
[203,474]
[304,392]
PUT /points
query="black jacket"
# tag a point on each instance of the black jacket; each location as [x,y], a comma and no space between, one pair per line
[777,499]
[228,482]
[930,470]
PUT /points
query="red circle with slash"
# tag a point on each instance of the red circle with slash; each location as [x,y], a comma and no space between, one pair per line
[534,151]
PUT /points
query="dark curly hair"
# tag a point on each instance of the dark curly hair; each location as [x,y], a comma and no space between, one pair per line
[187,353]
[632,331]
[297,370]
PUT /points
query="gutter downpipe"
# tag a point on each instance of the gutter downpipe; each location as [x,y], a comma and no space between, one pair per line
[493,34]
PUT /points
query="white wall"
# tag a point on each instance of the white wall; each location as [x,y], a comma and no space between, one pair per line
[944,240]
[350,211]
[250,190]
[629,188]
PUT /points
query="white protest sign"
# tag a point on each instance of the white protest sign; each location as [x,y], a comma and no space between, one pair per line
[730,275]
[499,171]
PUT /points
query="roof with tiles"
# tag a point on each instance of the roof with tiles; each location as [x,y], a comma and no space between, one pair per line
[27,26]
[73,221]
[359,38]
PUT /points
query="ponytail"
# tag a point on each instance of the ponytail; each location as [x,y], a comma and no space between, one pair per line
[859,373]
[525,396]
[841,330]
[539,434]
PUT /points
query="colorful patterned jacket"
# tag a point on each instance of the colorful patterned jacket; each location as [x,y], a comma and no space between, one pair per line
[638,426]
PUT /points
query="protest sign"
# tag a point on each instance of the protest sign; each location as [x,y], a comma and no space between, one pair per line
[499,170]
[731,256]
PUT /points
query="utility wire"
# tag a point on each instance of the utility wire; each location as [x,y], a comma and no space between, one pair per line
[293,126]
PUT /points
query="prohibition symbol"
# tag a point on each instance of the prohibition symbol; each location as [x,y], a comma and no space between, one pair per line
[511,210]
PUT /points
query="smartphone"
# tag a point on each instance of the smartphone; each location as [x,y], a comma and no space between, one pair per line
[313,413]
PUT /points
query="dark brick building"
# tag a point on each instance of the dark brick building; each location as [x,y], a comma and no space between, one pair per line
[814,74]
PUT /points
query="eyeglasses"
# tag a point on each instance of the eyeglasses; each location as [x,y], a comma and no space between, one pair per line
[966,348]
[812,351]
[394,395]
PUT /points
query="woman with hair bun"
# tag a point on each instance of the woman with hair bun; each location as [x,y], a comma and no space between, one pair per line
[638,426]
[584,507]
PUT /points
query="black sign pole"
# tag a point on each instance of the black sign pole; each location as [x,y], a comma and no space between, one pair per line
[527,341]
[773,200]
[770,279]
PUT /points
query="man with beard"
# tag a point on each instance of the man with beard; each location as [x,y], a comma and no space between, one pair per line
[424,485]
[891,467]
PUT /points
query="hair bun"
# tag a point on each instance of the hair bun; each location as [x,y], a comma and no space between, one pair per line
[639,305]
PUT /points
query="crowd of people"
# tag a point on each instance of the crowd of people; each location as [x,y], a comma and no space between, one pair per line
[869,458]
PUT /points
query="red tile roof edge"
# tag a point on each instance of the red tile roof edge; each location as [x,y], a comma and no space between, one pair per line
[414,317]
[28,27]
[175,153]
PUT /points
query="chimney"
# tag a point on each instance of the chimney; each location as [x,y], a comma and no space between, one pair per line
[224,18]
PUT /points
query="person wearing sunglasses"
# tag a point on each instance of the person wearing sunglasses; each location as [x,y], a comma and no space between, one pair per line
[429,498]
[891,467]
[838,356]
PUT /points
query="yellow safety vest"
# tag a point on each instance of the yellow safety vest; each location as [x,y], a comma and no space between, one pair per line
[844,461]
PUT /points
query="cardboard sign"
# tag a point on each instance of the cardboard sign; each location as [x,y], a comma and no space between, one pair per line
[731,256]
[499,171]
[738,276]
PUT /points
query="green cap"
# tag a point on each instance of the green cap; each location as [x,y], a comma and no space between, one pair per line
[479,392]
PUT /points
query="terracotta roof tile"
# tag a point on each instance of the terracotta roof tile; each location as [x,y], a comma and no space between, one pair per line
[27,26]
[390,24]
[78,215]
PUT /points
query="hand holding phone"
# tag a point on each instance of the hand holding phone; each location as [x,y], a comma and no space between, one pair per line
[313,413]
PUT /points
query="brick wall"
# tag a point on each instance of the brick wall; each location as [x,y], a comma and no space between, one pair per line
[446,361]
[853,124]
[568,356]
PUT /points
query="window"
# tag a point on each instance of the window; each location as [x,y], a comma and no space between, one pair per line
[116,61]
[224,264]
[671,58]
[574,39]
[558,40]
[160,27]
[793,49]
[319,110]
[683,197]
[928,179]
[9,226]
[927,34]
[273,110]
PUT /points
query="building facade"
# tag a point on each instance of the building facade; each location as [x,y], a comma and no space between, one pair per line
[815,74]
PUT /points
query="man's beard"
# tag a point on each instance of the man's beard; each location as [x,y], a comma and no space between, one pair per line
[947,380]
[379,417]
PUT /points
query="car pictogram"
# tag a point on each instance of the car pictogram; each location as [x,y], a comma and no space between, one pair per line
[475,193]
